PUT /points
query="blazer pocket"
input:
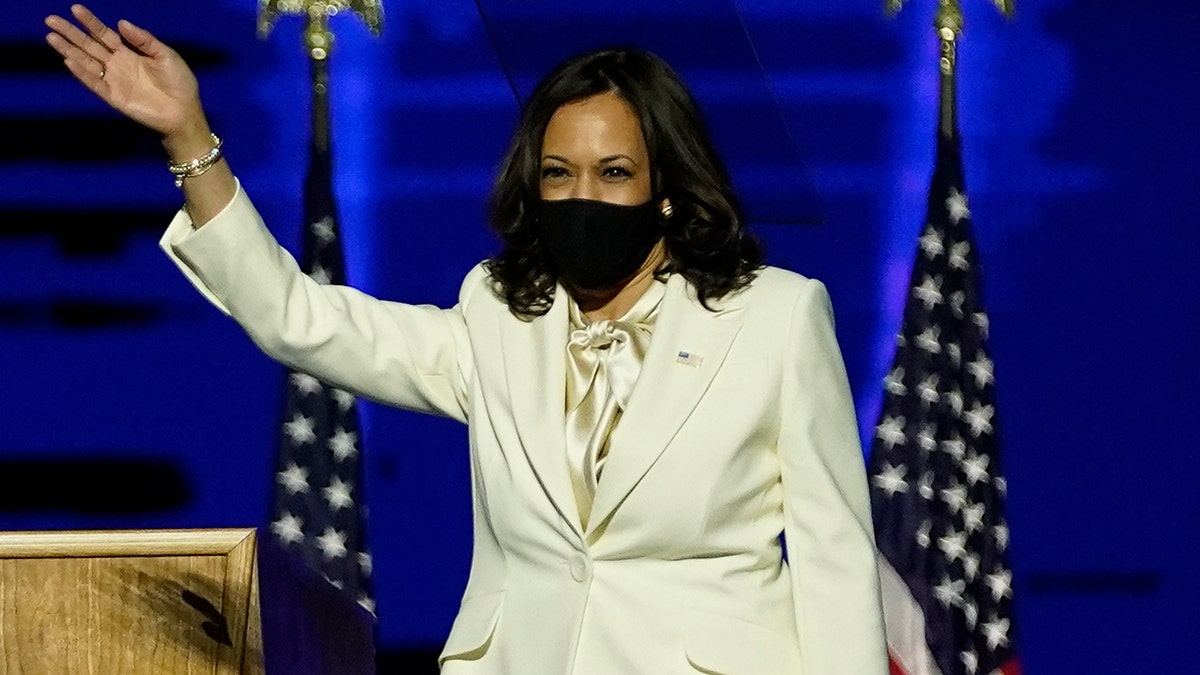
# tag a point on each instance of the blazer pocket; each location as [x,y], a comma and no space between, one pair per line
[473,628]
[724,645]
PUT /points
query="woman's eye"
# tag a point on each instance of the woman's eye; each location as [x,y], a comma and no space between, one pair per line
[618,172]
[552,172]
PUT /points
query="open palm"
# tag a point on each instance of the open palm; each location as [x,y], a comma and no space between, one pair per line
[128,68]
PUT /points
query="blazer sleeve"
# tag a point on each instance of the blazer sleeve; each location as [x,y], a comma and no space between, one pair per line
[412,356]
[830,539]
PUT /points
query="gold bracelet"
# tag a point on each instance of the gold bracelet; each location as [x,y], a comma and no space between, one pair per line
[197,166]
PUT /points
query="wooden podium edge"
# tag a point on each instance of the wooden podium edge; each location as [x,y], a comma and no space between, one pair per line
[254,654]
[241,601]
[123,543]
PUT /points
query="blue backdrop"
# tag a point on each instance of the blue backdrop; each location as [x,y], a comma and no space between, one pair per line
[1079,121]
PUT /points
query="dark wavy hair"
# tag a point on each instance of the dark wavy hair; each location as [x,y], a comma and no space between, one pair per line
[706,238]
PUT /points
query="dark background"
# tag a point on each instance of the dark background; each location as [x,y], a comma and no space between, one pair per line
[125,401]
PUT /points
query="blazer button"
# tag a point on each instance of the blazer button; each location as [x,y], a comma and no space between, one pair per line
[579,568]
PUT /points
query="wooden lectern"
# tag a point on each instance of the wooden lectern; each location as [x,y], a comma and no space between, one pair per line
[171,601]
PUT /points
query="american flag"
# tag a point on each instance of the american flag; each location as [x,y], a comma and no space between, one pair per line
[319,513]
[937,491]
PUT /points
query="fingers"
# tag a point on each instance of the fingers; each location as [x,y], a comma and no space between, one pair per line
[87,75]
[77,61]
[141,39]
[73,43]
[96,28]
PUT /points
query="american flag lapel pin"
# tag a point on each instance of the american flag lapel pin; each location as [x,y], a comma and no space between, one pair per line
[689,359]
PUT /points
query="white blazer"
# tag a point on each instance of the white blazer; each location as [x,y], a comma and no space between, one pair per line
[741,427]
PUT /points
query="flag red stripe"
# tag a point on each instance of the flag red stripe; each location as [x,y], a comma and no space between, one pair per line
[1012,667]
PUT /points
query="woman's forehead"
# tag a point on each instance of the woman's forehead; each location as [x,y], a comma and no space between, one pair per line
[598,126]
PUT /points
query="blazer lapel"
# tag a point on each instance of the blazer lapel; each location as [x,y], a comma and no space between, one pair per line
[534,354]
[688,347]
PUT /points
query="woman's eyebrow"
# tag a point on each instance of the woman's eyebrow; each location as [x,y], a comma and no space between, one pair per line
[602,160]
[612,158]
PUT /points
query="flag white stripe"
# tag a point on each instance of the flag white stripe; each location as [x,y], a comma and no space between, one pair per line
[904,624]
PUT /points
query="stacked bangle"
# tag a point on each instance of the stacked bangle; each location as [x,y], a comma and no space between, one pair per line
[197,166]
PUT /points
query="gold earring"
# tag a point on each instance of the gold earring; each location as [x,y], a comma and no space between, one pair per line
[668,210]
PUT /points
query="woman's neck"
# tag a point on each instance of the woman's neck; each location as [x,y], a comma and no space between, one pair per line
[614,303]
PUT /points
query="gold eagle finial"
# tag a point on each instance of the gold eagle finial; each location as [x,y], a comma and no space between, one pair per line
[951,7]
[371,11]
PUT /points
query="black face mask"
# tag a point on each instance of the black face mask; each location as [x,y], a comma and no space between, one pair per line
[596,245]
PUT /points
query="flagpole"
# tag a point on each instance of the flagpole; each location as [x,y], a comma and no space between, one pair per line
[318,39]
[949,25]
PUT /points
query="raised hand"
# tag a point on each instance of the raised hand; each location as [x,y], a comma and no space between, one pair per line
[129,69]
[148,82]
